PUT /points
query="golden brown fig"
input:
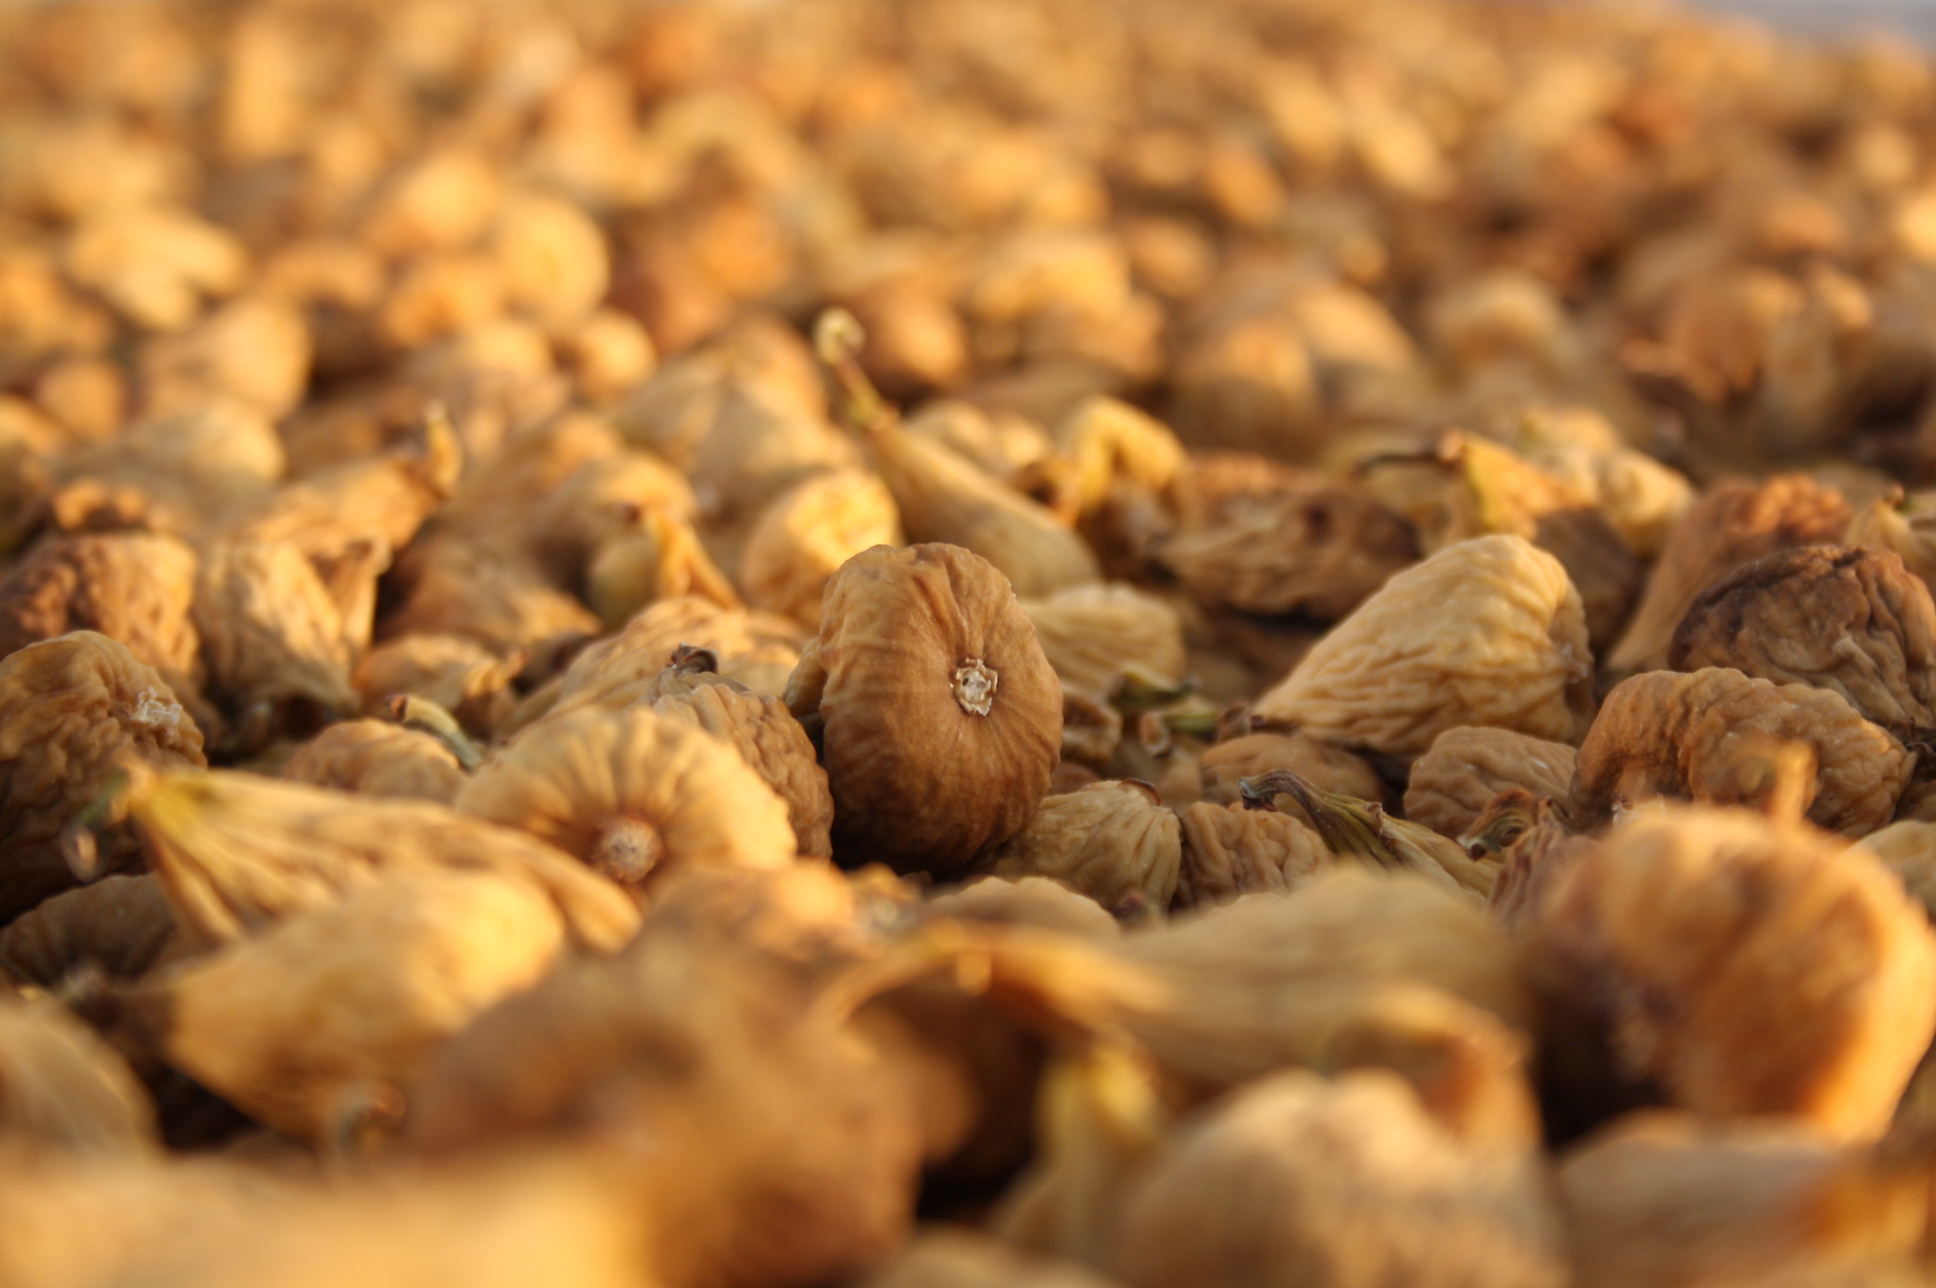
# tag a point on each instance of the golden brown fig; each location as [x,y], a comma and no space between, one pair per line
[459,675]
[329,1014]
[1297,1180]
[758,650]
[803,537]
[1486,632]
[1852,621]
[1230,851]
[1666,734]
[1112,841]
[1028,901]
[1452,784]
[939,718]
[660,558]
[61,1087]
[135,587]
[1319,763]
[272,634]
[633,793]
[1741,965]
[499,598]
[118,925]
[378,759]
[603,499]
[1736,522]
[236,853]
[72,711]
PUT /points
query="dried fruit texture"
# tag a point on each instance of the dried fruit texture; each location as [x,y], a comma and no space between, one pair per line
[938,717]
[1666,734]
[119,925]
[1027,901]
[459,675]
[1113,841]
[322,1018]
[1319,763]
[634,794]
[1669,1199]
[1642,498]
[956,1258]
[1686,934]
[1535,849]
[1452,784]
[1735,523]
[1096,637]
[236,853]
[760,445]
[804,535]
[1908,848]
[1348,1184]
[1303,543]
[1486,632]
[772,743]
[1853,621]
[1352,965]
[377,759]
[602,500]
[61,1087]
[661,558]
[135,587]
[193,468]
[1230,851]
[499,598]
[1901,525]
[785,1150]
[72,709]
[1362,831]
[756,649]
[271,632]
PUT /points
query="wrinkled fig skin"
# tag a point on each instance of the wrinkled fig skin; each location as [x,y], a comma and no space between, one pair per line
[1664,734]
[1855,622]
[939,718]
[1452,784]
[1735,523]
[135,587]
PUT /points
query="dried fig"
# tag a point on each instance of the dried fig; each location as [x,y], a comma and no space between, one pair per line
[72,709]
[1362,830]
[1319,763]
[1852,621]
[1112,841]
[660,558]
[803,536]
[1345,1183]
[1026,901]
[939,718]
[1666,734]
[1907,847]
[1452,784]
[134,587]
[497,597]
[1096,637]
[1677,939]
[236,853]
[756,649]
[272,634]
[460,675]
[956,1258]
[119,925]
[1486,632]
[1736,522]
[62,1087]
[378,759]
[1230,851]
[633,793]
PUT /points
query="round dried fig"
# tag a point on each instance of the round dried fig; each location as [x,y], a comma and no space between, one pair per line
[71,710]
[1112,841]
[1452,784]
[632,792]
[459,675]
[938,716]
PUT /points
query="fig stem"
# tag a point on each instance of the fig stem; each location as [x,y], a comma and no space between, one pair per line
[838,338]
[628,851]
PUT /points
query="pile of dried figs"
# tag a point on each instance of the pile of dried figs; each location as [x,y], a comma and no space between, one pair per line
[964,644]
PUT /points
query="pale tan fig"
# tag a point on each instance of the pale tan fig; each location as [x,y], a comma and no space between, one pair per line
[329,1015]
[459,675]
[938,717]
[769,740]
[119,925]
[377,759]
[1741,965]
[1907,847]
[760,445]
[659,558]
[62,1088]
[1664,734]
[1735,523]
[1674,1200]
[135,587]
[1486,632]
[1453,783]
[272,634]
[237,853]
[1003,444]
[758,650]
[1319,763]
[1346,1184]
[1099,637]
[804,535]
[1853,621]
[1028,901]
[496,597]
[1230,851]
[634,794]
[1113,841]
[500,498]
[1899,524]
[72,711]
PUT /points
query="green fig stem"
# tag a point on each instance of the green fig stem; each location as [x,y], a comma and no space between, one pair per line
[1348,826]
[425,716]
